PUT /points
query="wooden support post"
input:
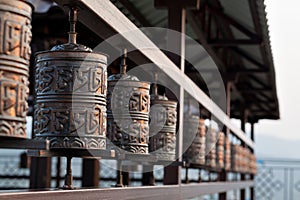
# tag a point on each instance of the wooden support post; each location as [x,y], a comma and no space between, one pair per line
[90,172]
[243,176]
[176,43]
[40,173]
[223,173]
[252,191]
[148,176]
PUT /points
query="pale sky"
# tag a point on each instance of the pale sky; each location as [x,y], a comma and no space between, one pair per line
[284,26]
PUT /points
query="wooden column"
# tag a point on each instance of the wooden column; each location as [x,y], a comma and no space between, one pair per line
[252,191]
[243,177]
[176,43]
[148,176]
[90,172]
[40,173]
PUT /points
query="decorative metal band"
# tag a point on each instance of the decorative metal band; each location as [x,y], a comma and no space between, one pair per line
[70,108]
[128,104]
[211,140]
[15,38]
[163,129]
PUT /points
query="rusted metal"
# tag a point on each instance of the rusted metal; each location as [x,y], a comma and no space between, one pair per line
[220,150]
[128,112]
[15,38]
[211,141]
[196,152]
[163,126]
[71,84]
[227,153]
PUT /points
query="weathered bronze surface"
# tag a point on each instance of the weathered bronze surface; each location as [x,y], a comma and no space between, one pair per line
[227,153]
[190,132]
[71,84]
[220,150]
[163,127]
[15,38]
[211,142]
[128,112]
[196,152]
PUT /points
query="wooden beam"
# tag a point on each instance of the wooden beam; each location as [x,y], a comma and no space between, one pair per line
[247,57]
[233,22]
[136,13]
[192,4]
[233,42]
[185,191]
[196,26]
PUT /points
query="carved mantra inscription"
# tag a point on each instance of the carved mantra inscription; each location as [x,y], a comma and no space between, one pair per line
[15,38]
[54,78]
[196,152]
[163,129]
[128,115]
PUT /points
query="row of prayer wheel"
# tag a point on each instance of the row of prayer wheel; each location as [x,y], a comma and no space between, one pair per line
[78,107]
[73,109]
[242,160]
[213,150]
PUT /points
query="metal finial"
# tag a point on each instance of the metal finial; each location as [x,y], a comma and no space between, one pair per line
[73,16]
[123,66]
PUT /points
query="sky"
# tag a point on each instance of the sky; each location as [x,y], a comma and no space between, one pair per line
[282,137]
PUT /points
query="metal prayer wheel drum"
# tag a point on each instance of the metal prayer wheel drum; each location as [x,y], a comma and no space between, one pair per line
[15,38]
[211,142]
[196,152]
[163,127]
[70,108]
[190,132]
[128,114]
[227,153]
[221,150]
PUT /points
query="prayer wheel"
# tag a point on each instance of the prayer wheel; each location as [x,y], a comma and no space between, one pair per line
[71,85]
[163,127]
[190,134]
[227,153]
[128,112]
[220,150]
[211,140]
[196,152]
[15,38]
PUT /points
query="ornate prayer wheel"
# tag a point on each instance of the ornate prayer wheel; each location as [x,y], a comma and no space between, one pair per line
[190,134]
[227,153]
[71,84]
[211,142]
[196,152]
[220,150]
[128,111]
[15,38]
[163,127]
